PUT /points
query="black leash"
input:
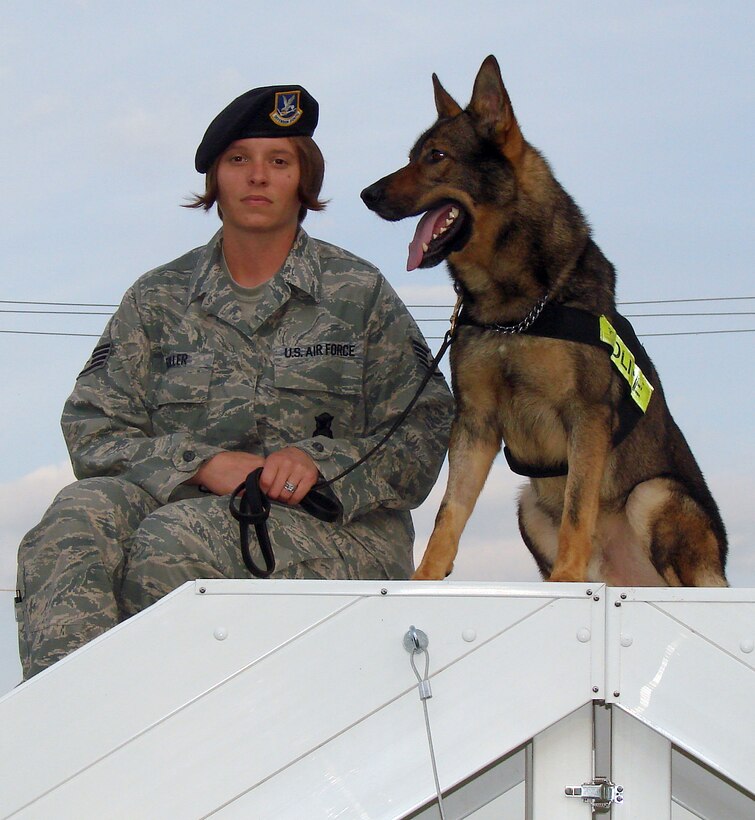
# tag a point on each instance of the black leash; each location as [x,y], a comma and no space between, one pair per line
[251,507]
[447,339]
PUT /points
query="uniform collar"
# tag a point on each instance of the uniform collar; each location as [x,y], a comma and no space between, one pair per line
[300,272]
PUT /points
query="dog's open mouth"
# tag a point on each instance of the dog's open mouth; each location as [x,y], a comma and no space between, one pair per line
[440,231]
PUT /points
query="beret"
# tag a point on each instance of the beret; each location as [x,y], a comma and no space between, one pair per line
[272,111]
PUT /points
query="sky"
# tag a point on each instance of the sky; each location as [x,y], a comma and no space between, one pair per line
[644,109]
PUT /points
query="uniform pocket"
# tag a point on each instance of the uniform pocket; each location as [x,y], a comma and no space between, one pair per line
[182,392]
[335,368]
[187,381]
[308,386]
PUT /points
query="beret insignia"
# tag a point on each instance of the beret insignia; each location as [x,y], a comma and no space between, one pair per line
[287,110]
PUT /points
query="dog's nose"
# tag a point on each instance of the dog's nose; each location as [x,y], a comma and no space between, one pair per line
[372,195]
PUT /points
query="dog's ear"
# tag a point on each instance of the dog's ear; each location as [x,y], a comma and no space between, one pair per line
[444,102]
[492,110]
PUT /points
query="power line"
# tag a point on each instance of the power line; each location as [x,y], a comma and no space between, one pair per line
[57,312]
[698,332]
[626,315]
[648,302]
[50,333]
[703,313]
[647,335]
[429,338]
[53,304]
[421,320]
[700,299]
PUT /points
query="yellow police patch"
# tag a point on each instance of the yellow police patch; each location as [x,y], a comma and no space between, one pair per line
[640,388]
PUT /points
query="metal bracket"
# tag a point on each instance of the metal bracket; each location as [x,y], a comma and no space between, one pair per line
[415,640]
[600,792]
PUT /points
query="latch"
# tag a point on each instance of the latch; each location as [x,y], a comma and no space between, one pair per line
[601,793]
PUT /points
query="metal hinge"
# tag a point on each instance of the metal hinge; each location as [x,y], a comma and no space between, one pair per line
[600,792]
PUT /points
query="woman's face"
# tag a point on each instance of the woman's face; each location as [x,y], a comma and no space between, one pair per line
[258,181]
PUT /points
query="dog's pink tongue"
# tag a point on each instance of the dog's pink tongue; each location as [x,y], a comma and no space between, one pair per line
[423,235]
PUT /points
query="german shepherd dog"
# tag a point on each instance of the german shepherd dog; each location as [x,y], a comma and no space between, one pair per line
[542,362]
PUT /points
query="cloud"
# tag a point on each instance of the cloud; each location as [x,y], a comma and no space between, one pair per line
[22,503]
[136,127]
[42,109]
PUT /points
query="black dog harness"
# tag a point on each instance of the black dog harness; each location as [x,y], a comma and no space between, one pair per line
[614,335]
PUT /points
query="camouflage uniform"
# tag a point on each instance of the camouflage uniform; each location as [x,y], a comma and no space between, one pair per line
[185,370]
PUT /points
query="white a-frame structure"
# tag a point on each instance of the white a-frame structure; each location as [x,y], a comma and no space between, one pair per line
[299,699]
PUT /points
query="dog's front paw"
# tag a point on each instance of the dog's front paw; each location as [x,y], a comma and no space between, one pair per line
[430,572]
[566,576]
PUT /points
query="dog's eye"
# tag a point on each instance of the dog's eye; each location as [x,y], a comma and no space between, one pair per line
[436,155]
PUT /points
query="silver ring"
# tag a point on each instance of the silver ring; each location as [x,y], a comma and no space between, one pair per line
[289,487]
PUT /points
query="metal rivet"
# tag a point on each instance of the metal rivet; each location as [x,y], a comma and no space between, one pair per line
[617,603]
[623,596]
[595,689]
[383,591]
[596,597]
[469,635]
[627,640]
[202,590]
[588,593]
[747,645]
[616,694]
[220,633]
[583,635]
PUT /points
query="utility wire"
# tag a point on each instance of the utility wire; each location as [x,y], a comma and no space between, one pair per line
[645,335]
[429,338]
[57,312]
[700,299]
[54,304]
[411,307]
[46,304]
[50,333]
[650,302]
[626,315]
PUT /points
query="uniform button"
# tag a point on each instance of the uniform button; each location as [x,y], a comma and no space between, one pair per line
[189,455]
[317,446]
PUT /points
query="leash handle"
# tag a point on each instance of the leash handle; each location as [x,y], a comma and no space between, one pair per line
[253,508]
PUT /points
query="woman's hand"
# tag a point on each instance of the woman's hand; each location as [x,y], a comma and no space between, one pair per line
[225,471]
[282,469]
[286,468]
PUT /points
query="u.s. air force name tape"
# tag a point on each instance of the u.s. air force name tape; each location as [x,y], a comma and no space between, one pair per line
[640,388]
